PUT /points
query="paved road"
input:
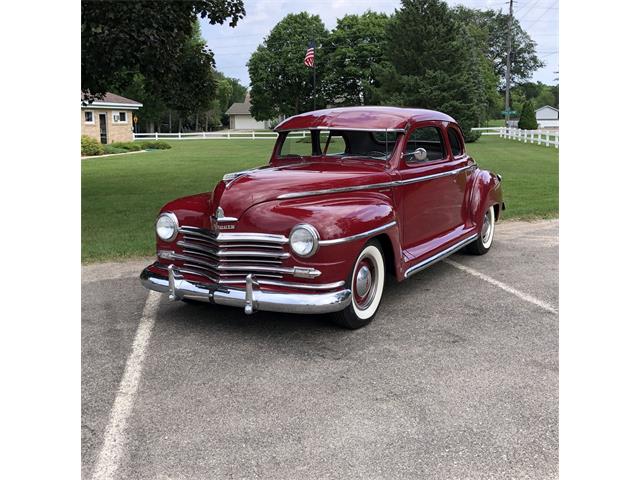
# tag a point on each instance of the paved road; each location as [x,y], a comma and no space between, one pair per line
[456,378]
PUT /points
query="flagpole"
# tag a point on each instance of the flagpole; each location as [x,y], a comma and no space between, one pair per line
[314,75]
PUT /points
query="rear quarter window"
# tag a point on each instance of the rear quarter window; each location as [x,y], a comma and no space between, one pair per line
[455,142]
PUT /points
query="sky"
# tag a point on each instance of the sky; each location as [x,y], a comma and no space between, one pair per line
[232,47]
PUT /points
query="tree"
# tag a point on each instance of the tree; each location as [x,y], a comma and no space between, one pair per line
[527,117]
[432,73]
[281,85]
[142,37]
[539,93]
[524,60]
[229,91]
[353,48]
[153,108]
[190,89]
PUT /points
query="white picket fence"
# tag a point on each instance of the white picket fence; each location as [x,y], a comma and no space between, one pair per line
[222,135]
[547,138]
[541,137]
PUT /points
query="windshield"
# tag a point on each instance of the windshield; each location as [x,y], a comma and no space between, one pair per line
[378,145]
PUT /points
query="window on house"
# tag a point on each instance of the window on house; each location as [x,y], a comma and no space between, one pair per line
[119,117]
[88,117]
[454,140]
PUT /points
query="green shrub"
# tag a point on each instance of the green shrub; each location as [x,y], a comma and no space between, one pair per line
[155,145]
[127,146]
[528,117]
[111,149]
[90,146]
[471,136]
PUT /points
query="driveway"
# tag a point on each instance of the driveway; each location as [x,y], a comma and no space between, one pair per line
[456,378]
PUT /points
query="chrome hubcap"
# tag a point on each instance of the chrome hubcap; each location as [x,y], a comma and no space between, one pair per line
[363,281]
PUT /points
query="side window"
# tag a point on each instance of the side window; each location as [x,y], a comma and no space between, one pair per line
[333,144]
[428,138]
[456,143]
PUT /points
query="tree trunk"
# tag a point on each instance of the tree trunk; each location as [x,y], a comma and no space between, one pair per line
[180,124]
[206,122]
[170,125]
[197,122]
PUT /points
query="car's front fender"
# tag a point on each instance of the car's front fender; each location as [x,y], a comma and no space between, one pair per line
[344,223]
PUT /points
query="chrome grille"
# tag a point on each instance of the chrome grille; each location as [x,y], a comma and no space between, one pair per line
[227,258]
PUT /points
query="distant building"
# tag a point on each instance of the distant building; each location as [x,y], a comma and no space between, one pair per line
[240,117]
[109,119]
[548,117]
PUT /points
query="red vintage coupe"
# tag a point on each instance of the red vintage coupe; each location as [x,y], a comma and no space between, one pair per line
[350,196]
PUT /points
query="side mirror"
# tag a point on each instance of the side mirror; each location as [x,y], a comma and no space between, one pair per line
[419,154]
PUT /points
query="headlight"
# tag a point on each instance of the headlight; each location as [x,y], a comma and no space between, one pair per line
[167,226]
[304,240]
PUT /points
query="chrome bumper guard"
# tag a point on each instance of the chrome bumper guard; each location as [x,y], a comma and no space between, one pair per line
[251,298]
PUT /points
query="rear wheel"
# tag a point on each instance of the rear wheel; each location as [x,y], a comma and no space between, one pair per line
[485,238]
[367,284]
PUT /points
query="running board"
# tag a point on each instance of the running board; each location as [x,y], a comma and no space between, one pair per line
[440,255]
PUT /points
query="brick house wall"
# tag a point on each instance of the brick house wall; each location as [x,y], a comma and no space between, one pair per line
[116,131]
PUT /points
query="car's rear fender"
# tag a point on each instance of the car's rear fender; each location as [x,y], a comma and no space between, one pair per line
[485,190]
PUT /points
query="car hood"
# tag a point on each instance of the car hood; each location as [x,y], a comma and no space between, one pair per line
[235,195]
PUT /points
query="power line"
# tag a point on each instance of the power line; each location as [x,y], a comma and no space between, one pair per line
[542,15]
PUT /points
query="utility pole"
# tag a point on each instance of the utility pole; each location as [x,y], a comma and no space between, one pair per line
[508,73]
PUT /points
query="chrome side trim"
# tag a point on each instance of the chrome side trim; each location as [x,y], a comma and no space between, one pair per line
[435,175]
[372,186]
[358,236]
[439,256]
[285,196]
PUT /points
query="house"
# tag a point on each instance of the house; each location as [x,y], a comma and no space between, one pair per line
[240,116]
[109,119]
[548,117]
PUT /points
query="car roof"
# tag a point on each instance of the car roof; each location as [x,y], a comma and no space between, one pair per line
[361,118]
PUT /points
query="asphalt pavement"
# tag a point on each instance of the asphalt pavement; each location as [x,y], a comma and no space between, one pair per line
[456,378]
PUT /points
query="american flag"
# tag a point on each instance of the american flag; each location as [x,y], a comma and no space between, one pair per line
[308,58]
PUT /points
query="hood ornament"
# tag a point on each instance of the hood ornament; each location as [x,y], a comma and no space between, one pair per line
[220,218]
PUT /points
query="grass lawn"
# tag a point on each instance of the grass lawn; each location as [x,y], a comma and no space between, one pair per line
[121,195]
[499,122]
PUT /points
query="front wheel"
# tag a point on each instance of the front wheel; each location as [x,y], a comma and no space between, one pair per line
[485,239]
[367,283]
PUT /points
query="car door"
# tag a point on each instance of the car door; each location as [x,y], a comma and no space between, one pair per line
[432,190]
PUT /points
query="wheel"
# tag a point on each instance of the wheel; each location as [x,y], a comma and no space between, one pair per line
[367,284]
[485,239]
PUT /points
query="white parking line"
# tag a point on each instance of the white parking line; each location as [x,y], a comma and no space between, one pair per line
[114,435]
[503,286]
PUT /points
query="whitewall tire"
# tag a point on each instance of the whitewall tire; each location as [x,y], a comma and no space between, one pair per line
[367,285]
[485,234]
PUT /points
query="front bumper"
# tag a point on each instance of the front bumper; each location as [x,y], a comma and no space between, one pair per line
[251,298]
